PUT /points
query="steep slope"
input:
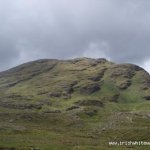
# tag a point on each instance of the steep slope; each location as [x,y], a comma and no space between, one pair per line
[92,99]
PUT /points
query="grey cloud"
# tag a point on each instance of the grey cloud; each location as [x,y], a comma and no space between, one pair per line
[115,29]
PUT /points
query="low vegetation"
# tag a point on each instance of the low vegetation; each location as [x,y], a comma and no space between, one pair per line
[78,104]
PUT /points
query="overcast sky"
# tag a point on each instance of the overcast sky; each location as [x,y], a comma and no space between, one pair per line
[115,29]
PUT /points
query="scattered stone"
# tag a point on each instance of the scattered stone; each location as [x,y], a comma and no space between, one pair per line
[34,148]
[11,120]
[148,115]
[104,129]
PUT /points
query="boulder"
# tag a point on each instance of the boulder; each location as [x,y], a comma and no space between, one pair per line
[147,97]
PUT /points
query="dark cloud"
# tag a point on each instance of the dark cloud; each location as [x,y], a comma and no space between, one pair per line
[115,29]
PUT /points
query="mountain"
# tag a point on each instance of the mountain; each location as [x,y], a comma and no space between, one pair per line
[78,104]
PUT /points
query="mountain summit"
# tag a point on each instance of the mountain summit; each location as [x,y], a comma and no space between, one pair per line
[89,101]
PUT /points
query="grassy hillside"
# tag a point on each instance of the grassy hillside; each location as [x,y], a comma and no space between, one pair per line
[78,104]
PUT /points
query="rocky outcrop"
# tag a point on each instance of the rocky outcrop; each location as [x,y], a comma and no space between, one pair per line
[90,88]
[89,103]
[147,97]
[124,85]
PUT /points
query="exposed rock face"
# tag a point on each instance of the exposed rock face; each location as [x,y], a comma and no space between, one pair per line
[146,81]
[122,71]
[124,85]
[90,88]
[89,99]
[57,81]
[98,76]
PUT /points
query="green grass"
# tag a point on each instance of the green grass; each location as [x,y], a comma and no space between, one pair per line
[52,127]
[63,132]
